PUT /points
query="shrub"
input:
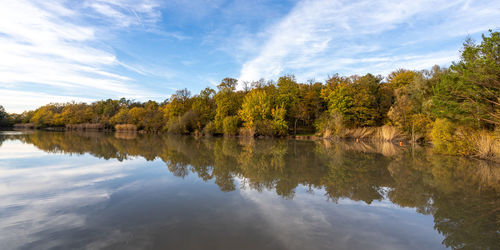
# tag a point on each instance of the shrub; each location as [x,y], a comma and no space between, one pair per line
[174,126]
[247,132]
[442,135]
[209,129]
[330,125]
[420,127]
[190,121]
[230,125]
[264,127]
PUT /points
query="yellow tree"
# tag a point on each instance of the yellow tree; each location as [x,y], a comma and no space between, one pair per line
[256,107]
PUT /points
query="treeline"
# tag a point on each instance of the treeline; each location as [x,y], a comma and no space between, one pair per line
[457,108]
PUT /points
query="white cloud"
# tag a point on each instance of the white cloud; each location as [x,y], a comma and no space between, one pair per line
[17,101]
[68,184]
[320,37]
[305,221]
[53,44]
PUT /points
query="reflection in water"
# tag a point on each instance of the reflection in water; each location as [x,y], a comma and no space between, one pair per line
[461,194]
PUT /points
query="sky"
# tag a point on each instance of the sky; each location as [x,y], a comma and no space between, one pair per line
[88,50]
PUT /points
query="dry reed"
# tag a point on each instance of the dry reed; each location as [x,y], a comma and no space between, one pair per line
[486,145]
[125,127]
[85,126]
[24,126]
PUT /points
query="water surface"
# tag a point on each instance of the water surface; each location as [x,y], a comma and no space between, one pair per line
[127,191]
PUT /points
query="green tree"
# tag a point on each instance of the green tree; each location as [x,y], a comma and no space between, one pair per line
[204,105]
[227,100]
[469,92]
[360,100]
[4,118]
[288,95]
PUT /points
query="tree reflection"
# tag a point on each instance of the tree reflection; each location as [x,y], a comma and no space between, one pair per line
[461,194]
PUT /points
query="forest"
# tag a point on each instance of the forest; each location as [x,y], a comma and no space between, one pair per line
[455,108]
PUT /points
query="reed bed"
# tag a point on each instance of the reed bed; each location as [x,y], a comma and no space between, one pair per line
[385,133]
[24,126]
[125,127]
[126,135]
[486,145]
[85,126]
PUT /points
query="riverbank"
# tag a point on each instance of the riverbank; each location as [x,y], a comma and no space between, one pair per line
[474,144]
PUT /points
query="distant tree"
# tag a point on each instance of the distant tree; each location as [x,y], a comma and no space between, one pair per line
[204,105]
[358,99]
[228,102]
[4,118]
[401,78]
[256,107]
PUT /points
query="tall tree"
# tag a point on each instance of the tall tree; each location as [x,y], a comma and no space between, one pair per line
[470,91]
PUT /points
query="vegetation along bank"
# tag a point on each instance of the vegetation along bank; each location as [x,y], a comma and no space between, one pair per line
[457,108]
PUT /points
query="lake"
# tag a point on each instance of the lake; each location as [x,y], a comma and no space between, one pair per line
[70,190]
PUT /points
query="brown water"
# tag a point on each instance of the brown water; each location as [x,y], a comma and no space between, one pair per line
[128,191]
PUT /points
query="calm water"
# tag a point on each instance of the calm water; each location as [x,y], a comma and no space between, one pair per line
[127,191]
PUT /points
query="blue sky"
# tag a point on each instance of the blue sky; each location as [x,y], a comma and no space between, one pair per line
[60,51]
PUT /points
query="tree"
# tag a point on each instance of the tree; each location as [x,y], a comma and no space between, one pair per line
[358,99]
[256,107]
[288,96]
[400,78]
[228,101]
[204,105]
[469,92]
[178,104]
[4,118]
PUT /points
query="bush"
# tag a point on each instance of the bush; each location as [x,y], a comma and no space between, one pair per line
[421,125]
[264,128]
[209,129]
[190,121]
[442,135]
[465,141]
[230,125]
[330,125]
[247,132]
[174,126]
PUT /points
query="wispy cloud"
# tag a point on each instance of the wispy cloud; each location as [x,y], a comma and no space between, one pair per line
[52,44]
[320,37]
[127,13]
